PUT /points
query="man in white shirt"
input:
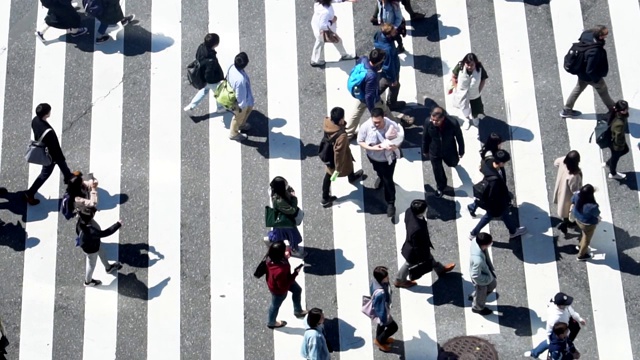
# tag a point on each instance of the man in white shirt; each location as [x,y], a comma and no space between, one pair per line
[559,310]
[370,137]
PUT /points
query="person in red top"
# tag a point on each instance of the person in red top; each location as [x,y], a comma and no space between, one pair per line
[280,280]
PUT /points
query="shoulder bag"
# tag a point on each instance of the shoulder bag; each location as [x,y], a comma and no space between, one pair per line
[330,37]
[37,152]
[225,95]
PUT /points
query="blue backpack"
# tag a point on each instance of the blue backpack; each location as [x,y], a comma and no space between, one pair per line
[356,78]
[66,208]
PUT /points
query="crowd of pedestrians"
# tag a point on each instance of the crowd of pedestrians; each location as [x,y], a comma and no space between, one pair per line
[380,137]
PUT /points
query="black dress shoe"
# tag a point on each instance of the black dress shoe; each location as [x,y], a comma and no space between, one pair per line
[484,312]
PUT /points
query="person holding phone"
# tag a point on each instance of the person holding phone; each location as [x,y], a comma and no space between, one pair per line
[281,280]
[83,192]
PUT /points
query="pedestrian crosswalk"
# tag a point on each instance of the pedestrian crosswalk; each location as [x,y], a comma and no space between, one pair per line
[192,200]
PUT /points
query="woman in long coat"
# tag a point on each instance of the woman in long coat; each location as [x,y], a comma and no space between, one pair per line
[61,15]
[568,181]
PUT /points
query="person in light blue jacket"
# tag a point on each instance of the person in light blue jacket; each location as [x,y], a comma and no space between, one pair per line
[389,12]
[239,80]
[381,297]
[314,345]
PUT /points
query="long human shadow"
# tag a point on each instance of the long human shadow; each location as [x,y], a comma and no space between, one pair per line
[423,340]
[130,286]
[322,262]
[13,236]
[138,41]
[341,335]
[433,29]
[440,208]
[15,203]
[518,318]
[490,125]
[532,2]
[134,255]
[446,290]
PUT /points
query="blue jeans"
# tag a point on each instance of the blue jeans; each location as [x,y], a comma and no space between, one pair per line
[486,218]
[200,95]
[277,300]
[540,348]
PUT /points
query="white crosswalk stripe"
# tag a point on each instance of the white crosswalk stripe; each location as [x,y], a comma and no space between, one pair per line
[235,301]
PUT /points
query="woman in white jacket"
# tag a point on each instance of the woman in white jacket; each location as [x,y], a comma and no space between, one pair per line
[324,19]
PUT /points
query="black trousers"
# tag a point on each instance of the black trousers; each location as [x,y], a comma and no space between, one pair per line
[392,96]
[383,332]
[326,184]
[46,172]
[407,6]
[385,171]
[574,329]
[615,157]
[439,174]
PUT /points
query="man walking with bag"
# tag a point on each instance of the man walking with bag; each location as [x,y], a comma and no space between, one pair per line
[593,72]
[417,246]
[210,69]
[42,130]
[239,81]
[442,141]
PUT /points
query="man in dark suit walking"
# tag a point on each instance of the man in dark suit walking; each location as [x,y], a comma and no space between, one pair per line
[442,141]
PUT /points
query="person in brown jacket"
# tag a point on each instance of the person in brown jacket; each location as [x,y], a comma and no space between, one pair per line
[568,181]
[334,131]
[618,124]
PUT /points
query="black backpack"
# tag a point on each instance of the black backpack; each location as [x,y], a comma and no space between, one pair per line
[481,191]
[574,60]
[602,133]
[325,150]
[195,74]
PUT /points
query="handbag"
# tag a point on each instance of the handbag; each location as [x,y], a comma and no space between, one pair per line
[269,216]
[367,304]
[37,152]
[416,271]
[194,75]
[330,37]
[225,95]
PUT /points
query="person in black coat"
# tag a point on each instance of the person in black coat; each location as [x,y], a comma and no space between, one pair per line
[417,246]
[442,141]
[596,68]
[210,69]
[498,199]
[89,235]
[111,15]
[61,15]
[39,125]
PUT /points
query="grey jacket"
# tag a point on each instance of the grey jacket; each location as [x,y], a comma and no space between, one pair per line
[482,271]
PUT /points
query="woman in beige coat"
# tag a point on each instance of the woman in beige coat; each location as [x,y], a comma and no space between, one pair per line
[568,181]
[334,130]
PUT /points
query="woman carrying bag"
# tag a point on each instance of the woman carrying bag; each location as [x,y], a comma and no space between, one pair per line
[467,81]
[618,125]
[568,181]
[280,281]
[323,24]
[287,215]
[586,212]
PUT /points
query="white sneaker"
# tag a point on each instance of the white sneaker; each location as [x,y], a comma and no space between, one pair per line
[617,176]
[519,231]
[189,108]
[528,354]
[239,137]
[471,237]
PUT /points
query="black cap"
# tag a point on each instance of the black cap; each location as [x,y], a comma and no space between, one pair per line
[562,299]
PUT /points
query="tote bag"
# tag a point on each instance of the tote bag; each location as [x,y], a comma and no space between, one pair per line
[37,152]
[225,95]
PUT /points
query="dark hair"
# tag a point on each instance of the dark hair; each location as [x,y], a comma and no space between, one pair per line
[74,187]
[379,273]
[377,55]
[572,162]
[418,206]
[620,105]
[313,317]
[585,196]
[377,112]
[435,111]
[211,40]
[276,251]
[279,187]
[241,61]
[501,156]
[337,114]
[324,2]
[43,109]
[491,145]
[471,58]
[483,239]
[86,214]
[598,31]
[559,328]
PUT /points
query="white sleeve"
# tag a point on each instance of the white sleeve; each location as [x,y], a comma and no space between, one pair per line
[574,314]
